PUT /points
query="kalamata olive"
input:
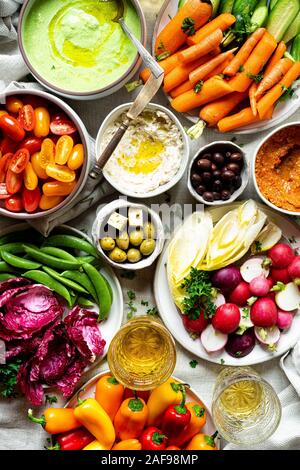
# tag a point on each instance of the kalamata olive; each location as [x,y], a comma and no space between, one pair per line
[200,189]
[207,156]
[235,167]
[225,195]
[206,177]
[214,167]
[227,175]
[227,155]
[204,164]
[196,179]
[208,196]
[217,185]
[218,159]
[237,182]
[236,157]
[217,196]
[217,174]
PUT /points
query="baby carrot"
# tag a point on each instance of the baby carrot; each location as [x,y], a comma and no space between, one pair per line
[273,77]
[203,70]
[244,52]
[188,19]
[213,112]
[186,86]
[252,98]
[278,54]
[223,22]
[243,118]
[203,47]
[167,65]
[220,68]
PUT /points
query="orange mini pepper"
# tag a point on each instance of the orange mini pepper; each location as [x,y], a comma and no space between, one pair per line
[56,420]
[109,393]
[203,442]
[169,393]
[131,418]
[128,444]
[198,420]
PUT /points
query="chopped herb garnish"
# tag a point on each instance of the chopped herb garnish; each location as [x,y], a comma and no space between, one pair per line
[199,295]
[198,86]
[50,399]
[145,303]
[188,26]
[257,78]
[241,68]
[128,275]
[256,247]
[238,353]
[234,139]
[152,312]
[8,378]
[222,361]
[130,304]
[193,363]
[292,239]
[288,93]
[160,45]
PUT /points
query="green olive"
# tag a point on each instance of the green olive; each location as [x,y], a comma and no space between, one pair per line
[147,247]
[149,230]
[107,243]
[134,255]
[123,241]
[117,255]
[136,237]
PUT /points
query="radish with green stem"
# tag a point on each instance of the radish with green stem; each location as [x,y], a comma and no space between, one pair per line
[284,320]
[255,267]
[240,294]
[287,297]
[259,286]
[264,312]
[294,270]
[268,336]
[281,255]
[240,345]
[245,322]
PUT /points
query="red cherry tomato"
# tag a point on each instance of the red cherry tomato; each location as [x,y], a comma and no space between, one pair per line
[19,161]
[14,204]
[11,128]
[4,164]
[13,182]
[8,146]
[31,199]
[27,117]
[3,191]
[62,127]
[32,144]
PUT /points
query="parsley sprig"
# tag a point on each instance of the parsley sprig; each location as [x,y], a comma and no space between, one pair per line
[199,295]
[188,26]
[8,378]
[130,304]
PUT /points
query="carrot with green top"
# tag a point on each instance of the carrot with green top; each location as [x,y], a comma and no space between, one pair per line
[213,112]
[184,24]
[254,64]
[242,55]
[241,119]
[203,70]
[205,46]
[223,22]
[273,95]
[273,76]
[278,54]
[212,89]
[252,98]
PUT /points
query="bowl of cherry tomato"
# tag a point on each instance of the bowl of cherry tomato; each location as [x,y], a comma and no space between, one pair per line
[44,154]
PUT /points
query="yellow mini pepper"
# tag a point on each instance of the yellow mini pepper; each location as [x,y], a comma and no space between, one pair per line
[95,419]
[131,418]
[94,445]
[109,394]
[128,444]
[169,393]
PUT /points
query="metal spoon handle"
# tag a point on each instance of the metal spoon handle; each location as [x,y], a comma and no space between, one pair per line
[147,58]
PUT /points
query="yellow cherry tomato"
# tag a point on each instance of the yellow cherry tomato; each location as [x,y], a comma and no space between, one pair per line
[36,165]
[48,202]
[63,149]
[30,177]
[13,104]
[76,158]
[60,173]
[2,112]
[47,153]
[57,188]
[42,122]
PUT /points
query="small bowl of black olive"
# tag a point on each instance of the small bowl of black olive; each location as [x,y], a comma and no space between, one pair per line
[218,174]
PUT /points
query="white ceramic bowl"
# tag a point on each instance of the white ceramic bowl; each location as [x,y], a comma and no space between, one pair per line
[215,147]
[101,218]
[263,198]
[185,154]
[84,137]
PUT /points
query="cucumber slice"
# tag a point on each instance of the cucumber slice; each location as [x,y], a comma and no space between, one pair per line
[281,17]
[295,50]
[226,6]
[292,30]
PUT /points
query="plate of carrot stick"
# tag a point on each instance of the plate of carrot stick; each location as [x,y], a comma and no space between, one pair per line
[246,86]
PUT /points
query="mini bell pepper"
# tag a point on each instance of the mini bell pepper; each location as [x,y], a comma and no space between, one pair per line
[160,398]
[95,419]
[176,417]
[131,418]
[153,439]
[56,420]
[203,442]
[143,394]
[109,394]
[128,444]
[94,445]
[73,440]
[198,420]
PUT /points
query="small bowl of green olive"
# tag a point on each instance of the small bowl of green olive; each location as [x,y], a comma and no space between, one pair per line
[128,236]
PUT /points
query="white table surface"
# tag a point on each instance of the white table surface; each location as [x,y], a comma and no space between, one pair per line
[16,432]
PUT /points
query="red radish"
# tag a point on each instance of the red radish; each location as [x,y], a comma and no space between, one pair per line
[294,270]
[240,294]
[271,295]
[254,267]
[240,345]
[226,318]
[219,300]
[280,275]
[213,340]
[195,326]
[227,278]
[281,255]
[264,312]
[259,286]
[270,281]
[268,336]
[284,320]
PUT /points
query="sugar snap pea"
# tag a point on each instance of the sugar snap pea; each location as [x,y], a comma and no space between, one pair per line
[109,288]
[51,261]
[84,302]
[15,248]
[83,280]
[88,259]
[6,276]
[18,262]
[58,253]
[48,281]
[4,267]
[70,241]
[67,282]
[103,294]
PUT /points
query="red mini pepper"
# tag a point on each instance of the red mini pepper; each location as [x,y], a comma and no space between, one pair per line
[73,440]
[176,417]
[153,439]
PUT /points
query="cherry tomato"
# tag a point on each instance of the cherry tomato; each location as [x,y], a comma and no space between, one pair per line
[11,127]
[3,191]
[48,202]
[76,158]
[63,149]
[32,144]
[47,153]
[62,127]
[31,199]
[8,146]
[56,188]
[14,203]
[13,104]
[60,173]
[13,182]
[30,177]
[4,164]
[19,161]
[36,165]
[27,117]
[42,122]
